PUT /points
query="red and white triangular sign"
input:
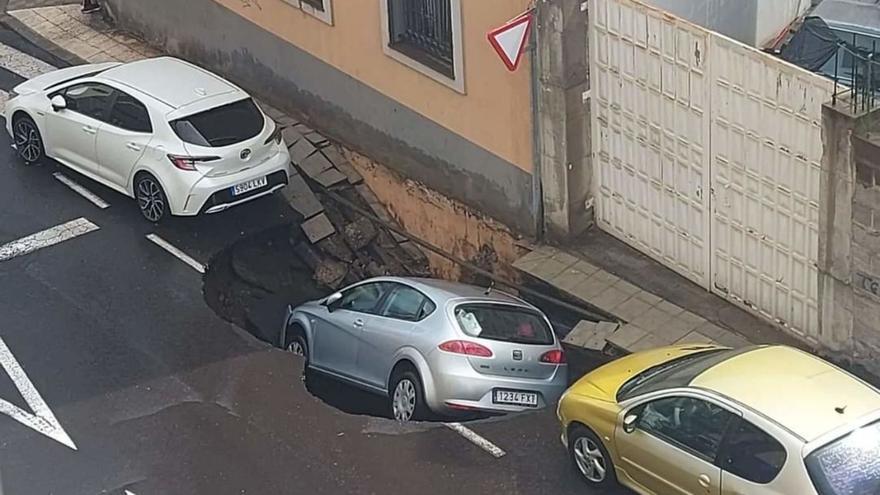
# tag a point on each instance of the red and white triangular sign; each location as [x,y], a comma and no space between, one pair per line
[510,39]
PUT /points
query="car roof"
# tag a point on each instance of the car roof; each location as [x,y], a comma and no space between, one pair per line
[797,390]
[442,291]
[172,81]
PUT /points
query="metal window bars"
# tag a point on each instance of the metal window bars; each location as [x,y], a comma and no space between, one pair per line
[857,74]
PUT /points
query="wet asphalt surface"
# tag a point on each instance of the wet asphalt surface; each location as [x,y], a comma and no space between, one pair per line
[161,395]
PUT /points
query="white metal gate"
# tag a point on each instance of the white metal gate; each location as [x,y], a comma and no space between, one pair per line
[707,156]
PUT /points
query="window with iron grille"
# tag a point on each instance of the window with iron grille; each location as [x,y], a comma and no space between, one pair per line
[422,30]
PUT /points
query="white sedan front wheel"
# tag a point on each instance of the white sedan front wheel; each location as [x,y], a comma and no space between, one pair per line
[28,141]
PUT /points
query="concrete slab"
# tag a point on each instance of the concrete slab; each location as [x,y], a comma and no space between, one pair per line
[315,165]
[591,287]
[301,150]
[626,287]
[670,308]
[586,267]
[649,341]
[599,339]
[695,338]
[652,319]
[581,333]
[626,336]
[568,279]
[318,227]
[547,269]
[609,298]
[330,177]
[630,309]
[290,136]
[649,298]
[301,198]
[673,330]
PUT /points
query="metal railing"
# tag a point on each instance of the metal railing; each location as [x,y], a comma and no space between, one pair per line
[857,75]
[422,29]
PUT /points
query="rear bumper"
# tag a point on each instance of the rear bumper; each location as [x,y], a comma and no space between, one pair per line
[213,194]
[461,388]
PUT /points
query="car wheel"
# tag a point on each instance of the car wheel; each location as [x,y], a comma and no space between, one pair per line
[407,398]
[296,343]
[590,458]
[28,140]
[151,198]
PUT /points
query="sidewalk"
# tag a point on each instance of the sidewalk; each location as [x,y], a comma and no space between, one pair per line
[654,305]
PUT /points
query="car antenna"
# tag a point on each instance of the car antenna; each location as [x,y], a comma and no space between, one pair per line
[491,286]
[840,410]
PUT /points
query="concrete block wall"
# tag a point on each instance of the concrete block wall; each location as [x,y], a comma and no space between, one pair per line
[866,247]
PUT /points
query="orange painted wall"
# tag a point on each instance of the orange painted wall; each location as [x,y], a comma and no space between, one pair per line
[495,112]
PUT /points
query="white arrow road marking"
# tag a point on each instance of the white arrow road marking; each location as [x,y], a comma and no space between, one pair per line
[46,238]
[127,492]
[167,246]
[42,419]
[476,439]
[81,190]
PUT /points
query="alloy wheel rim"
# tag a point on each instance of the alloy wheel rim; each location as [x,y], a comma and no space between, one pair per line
[27,141]
[296,348]
[404,400]
[589,460]
[150,200]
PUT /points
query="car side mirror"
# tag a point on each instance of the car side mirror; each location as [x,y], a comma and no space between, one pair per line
[58,103]
[331,301]
[629,423]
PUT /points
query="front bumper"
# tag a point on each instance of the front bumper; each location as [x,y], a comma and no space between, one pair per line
[458,388]
[213,194]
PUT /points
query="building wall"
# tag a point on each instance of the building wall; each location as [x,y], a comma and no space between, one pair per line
[866,248]
[474,146]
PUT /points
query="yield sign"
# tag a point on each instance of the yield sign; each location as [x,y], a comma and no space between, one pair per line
[510,39]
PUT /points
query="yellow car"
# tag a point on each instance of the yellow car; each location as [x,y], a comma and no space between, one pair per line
[710,420]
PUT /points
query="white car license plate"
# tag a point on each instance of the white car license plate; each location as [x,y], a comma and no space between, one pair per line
[248,186]
[512,397]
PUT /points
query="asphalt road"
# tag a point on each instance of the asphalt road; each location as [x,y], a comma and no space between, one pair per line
[159,395]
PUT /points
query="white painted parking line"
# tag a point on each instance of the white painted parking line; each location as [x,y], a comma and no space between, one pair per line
[82,191]
[41,418]
[476,439]
[4,97]
[46,238]
[162,243]
[23,64]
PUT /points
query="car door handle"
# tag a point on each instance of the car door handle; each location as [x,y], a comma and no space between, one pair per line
[132,146]
[89,129]
[704,481]
[359,323]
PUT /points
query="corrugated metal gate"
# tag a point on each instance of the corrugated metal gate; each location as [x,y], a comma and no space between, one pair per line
[707,156]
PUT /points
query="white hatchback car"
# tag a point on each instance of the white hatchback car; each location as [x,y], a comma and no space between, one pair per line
[179,139]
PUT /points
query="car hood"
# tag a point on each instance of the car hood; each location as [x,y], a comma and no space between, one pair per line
[604,382]
[48,79]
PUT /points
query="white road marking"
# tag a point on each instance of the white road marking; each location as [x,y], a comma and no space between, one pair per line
[4,97]
[46,238]
[476,439]
[23,64]
[81,190]
[162,243]
[41,419]
[127,492]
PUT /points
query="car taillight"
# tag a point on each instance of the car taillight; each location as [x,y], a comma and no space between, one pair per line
[553,357]
[189,162]
[276,135]
[466,347]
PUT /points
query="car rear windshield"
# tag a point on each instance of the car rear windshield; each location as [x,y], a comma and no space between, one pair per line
[221,126]
[504,323]
[675,373]
[848,465]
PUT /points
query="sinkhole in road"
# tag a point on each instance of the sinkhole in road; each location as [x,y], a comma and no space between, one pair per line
[251,283]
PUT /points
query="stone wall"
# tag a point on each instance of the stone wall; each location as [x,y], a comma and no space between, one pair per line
[866,247]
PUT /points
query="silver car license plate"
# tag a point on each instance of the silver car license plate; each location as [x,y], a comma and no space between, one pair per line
[248,186]
[515,398]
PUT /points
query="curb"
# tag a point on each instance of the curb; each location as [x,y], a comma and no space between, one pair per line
[44,44]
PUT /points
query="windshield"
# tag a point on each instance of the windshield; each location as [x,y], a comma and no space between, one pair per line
[676,373]
[221,126]
[504,323]
[848,465]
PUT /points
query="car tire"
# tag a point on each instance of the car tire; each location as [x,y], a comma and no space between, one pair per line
[296,343]
[406,397]
[590,458]
[28,140]
[151,199]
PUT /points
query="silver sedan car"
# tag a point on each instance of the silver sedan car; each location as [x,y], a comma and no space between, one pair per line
[432,345]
